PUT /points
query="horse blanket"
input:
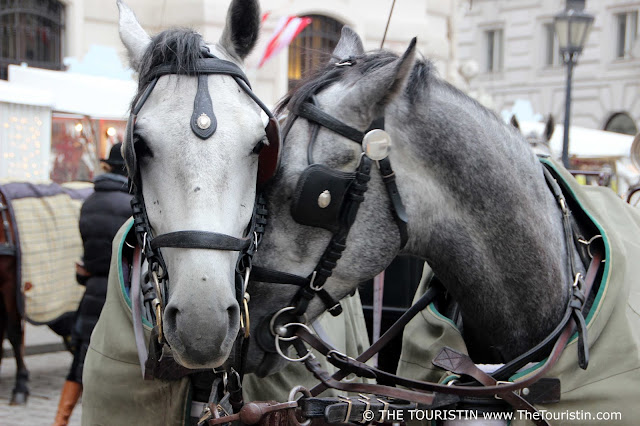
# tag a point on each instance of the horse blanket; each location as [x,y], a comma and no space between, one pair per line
[114,391]
[45,219]
[611,384]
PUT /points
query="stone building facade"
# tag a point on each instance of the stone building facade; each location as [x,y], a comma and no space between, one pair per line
[514,56]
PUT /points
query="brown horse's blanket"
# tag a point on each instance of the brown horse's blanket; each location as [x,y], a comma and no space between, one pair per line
[45,218]
[610,387]
[114,391]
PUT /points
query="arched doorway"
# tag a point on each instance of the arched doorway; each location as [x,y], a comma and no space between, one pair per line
[621,122]
[312,46]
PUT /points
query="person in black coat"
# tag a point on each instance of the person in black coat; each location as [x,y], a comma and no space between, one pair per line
[101,216]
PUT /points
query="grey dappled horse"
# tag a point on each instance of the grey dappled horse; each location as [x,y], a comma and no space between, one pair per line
[479,209]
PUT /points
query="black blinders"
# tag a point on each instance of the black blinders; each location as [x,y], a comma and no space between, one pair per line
[269,156]
[319,196]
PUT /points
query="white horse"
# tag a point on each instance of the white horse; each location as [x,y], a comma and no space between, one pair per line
[194,143]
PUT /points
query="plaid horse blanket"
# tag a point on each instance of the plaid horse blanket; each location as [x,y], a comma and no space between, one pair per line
[609,389]
[45,220]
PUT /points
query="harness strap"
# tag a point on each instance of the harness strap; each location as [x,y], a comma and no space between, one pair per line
[210,65]
[393,331]
[200,240]
[311,112]
[397,207]
[464,365]
[419,387]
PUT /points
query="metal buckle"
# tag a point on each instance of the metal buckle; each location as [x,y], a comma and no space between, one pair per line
[349,403]
[313,278]
[384,411]
[367,407]
[577,282]
[500,382]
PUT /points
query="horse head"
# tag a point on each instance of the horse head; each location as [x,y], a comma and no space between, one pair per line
[355,88]
[540,142]
[192,155]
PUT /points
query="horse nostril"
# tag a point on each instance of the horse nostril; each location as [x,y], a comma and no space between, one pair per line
[170,316]
[233,314]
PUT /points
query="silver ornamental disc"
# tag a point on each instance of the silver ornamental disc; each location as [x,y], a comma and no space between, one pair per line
[324,199]
[203,121]
[376,144]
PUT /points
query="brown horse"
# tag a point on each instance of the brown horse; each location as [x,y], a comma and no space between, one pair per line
[11,319]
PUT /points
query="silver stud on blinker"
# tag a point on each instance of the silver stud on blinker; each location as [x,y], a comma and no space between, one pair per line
[203,122]
[376,144]
[324,199]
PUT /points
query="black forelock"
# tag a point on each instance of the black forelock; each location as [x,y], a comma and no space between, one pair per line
[177,46]
[328,74]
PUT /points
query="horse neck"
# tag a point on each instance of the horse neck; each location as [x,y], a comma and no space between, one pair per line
[481,214]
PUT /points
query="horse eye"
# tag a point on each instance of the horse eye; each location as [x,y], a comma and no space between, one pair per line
[141,147]
[261,143]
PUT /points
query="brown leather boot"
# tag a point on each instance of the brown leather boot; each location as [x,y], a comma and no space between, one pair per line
[71,392]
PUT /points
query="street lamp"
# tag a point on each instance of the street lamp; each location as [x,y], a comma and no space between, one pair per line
[572,27]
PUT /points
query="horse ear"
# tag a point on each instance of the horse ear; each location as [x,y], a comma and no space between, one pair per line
[380,86]
[514,122]
[241,30]
[549,128]
[349,44]
[134,38]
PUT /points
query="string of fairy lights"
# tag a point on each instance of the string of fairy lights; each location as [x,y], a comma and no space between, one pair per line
[24,132]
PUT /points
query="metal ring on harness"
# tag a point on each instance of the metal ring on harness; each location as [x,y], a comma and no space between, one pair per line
[292,416]
[589,246]
[245,324]
[272,322]
[287,339]
[157,303]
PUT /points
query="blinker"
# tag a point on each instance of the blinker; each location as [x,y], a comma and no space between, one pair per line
[376,144]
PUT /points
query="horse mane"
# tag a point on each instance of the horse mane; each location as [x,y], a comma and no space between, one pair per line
[176,46]
[423,75]
[328,74]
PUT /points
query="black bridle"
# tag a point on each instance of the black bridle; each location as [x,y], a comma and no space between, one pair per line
[337,217]
[203,124]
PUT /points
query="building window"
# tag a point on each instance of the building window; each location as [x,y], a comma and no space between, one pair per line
[31,31]
[552,49]
[495,43]
[626,33]
[621,122]
[312,47]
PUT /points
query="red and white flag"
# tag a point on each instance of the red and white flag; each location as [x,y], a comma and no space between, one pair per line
[287,29]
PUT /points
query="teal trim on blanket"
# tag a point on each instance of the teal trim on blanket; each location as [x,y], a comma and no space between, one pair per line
[604,284]
[432,308]
[121,274]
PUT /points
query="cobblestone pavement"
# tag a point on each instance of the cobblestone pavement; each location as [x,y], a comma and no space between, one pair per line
[47,374]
